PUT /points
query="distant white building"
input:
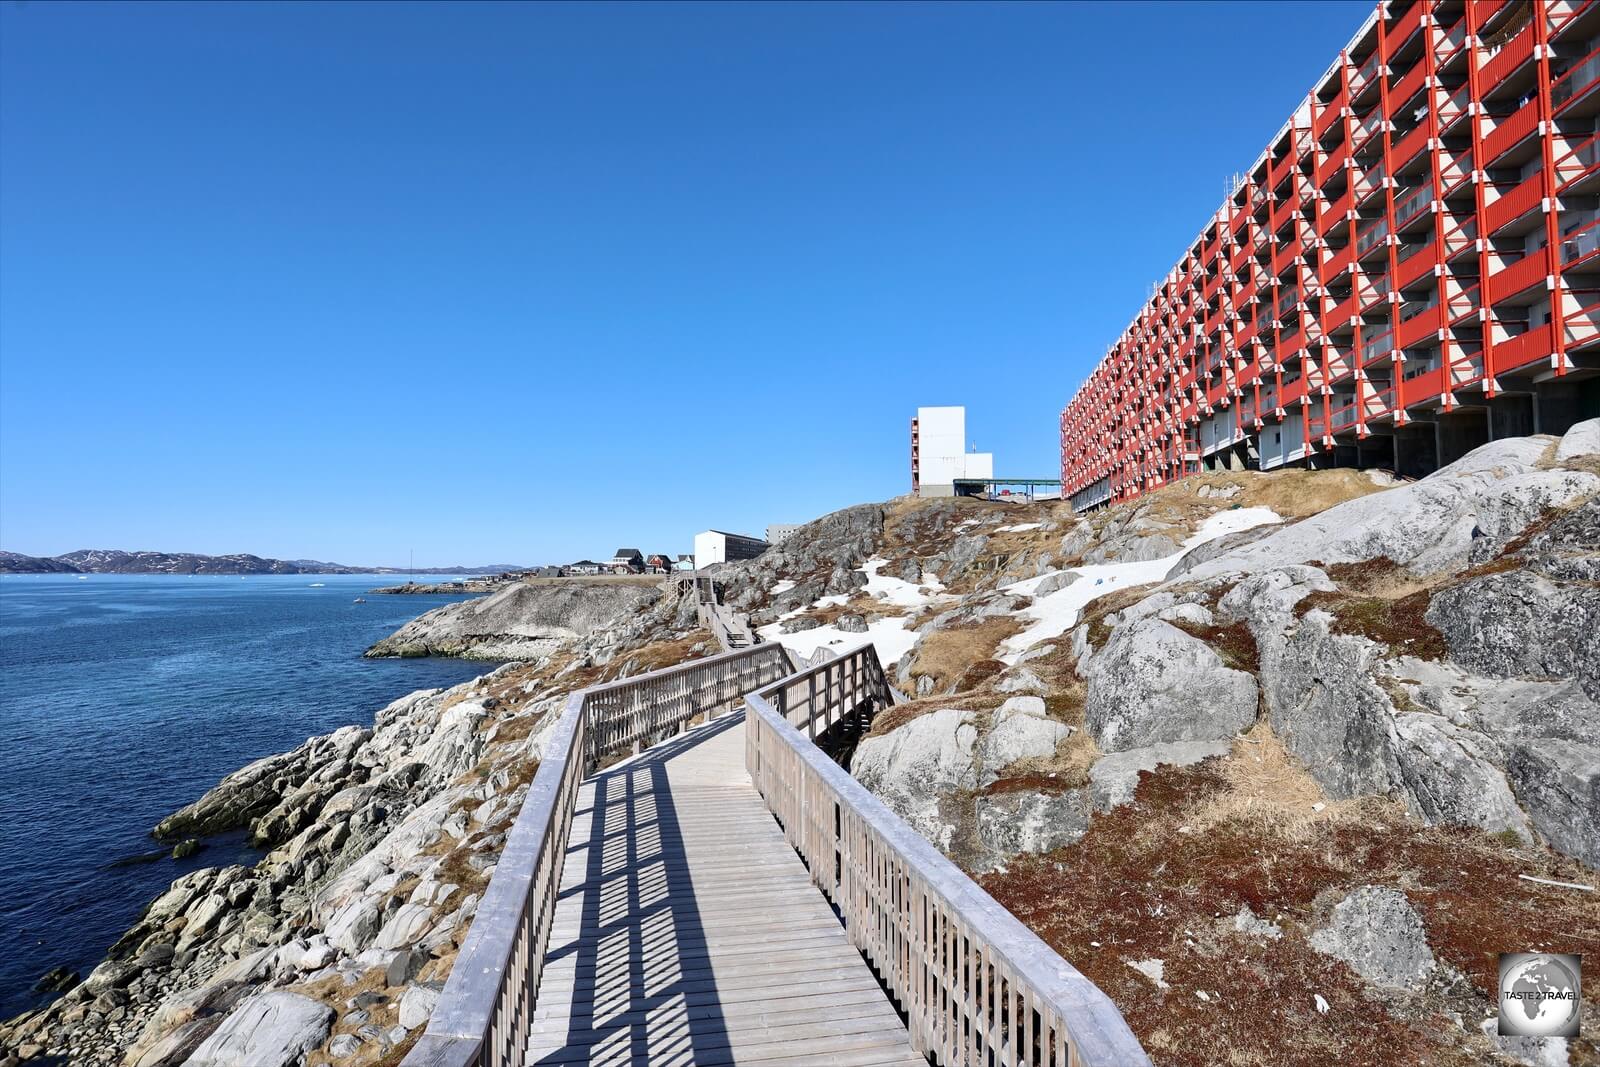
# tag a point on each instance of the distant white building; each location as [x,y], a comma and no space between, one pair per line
[719,546]
[777,533]
[939,456]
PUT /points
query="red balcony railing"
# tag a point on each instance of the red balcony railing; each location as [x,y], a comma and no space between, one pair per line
[1510,131]
[1511,55]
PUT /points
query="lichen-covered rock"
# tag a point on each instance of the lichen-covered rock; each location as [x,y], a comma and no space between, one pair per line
[1031,821]
[1450,776]
[1380,935]
[1522,624]
[1152,683]
[823,557]
[1328,709]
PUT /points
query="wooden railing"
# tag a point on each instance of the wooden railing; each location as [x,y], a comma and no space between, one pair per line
[976,985]
[483,1015]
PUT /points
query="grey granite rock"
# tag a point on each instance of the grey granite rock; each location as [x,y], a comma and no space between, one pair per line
[1380,935]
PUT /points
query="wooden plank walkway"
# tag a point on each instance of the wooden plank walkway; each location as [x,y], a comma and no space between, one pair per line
[688,931]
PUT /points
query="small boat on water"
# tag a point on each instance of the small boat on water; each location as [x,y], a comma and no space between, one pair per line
[359,600]
[318,585]
[83,577]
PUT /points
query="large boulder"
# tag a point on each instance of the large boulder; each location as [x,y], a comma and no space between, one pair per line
[1581,441]
[1460,514]
[1329,710]
[1500,754]
[1020,730]
[1380,935]
[1450,776]
[1152,683]
[273,1029]
[915,767]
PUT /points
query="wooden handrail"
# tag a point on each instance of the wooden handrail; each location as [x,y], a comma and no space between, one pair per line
[483,1015]
[975,984]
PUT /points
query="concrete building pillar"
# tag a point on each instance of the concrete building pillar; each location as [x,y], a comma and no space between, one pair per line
[1416,453]
[1557,405]
[1511,416]
[1457,433]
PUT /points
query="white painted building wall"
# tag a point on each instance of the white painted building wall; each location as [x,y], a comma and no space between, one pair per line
[711,546]
[942,455]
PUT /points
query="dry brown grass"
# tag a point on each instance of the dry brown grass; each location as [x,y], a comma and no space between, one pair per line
[948,655]
[897,716]
[1263,784]
[334,993]
[660,654]
[1162,877]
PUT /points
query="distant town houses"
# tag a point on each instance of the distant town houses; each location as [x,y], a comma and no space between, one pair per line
[711,547]
[626,561]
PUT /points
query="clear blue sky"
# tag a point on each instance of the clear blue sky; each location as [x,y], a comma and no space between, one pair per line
[526,283]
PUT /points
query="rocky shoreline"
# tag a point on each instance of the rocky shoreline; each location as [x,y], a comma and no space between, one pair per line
[378,844]
[437,589]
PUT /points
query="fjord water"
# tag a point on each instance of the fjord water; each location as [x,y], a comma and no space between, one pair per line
[124,697]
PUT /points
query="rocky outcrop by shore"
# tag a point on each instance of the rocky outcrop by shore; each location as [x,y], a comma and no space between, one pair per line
[437,589]
[522,621]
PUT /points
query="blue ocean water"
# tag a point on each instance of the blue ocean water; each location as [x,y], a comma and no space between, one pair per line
[124,697]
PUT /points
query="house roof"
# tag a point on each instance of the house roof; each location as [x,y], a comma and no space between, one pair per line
[626,553]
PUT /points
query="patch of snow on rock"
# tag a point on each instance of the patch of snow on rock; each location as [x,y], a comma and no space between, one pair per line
[1057,612]
[890,636]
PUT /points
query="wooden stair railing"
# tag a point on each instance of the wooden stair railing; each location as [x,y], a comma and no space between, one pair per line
[976,986]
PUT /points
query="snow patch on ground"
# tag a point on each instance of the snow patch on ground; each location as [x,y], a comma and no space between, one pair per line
[898,591]
[781,588]
[890,636]
[1057,613]
[1021,527]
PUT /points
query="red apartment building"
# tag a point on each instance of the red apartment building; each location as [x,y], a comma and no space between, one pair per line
[1410,269]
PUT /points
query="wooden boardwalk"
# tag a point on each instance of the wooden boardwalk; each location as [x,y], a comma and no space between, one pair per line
[688,931]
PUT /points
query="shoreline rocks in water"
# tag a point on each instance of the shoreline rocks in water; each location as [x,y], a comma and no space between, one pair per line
[437,589]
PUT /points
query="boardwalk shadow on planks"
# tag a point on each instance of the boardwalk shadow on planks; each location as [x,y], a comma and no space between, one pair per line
[688,931]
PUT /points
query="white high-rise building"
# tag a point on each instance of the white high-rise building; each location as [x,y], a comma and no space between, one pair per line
[939,456]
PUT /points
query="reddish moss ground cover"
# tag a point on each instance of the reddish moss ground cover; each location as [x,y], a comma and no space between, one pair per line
[1145,884]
